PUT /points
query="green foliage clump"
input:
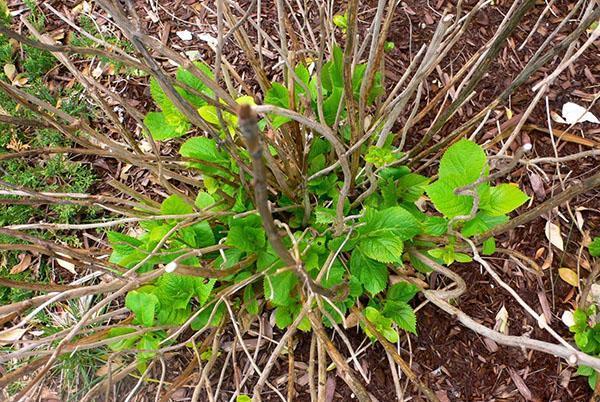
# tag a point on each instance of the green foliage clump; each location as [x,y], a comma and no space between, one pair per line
[384,232]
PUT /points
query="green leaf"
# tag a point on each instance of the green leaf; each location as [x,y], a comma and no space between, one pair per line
[372,314]
[203,149]
[123,344]
[143,305]
[250,300]
[464,161]
[278,95]
[402,314]
[283,317]
[249,239]
[372,274]
[160,129]
[278,287]
[148,342]
[462,164]
[334,276]
[331,105]
[243,398]
[390,334]
[336,71]
[324,215]
[175,205]
[341,21]
[203,234]
[204,200]
[381,238]
[190,79]
[380,156]
[489,246]
[462,257]
[402,292]
[594,247]
[503,199]
[126,249]
[441,193]
[435,225]
[209,114]
[411,187]
[481,223]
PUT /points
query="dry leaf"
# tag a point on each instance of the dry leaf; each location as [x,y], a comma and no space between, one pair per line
[569,276]
[579,219]
[537,185]
[502,321]
[24,261]
[97,72]
[11,335]
[185,35]
[66,265]
[567,318]
[10,70]
[573,113]
[554,236]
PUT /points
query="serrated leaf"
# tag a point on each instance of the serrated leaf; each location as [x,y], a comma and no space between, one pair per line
[402,314]
[435,225]
[159,128]
[191,80]
[462,164]
[381,238]
[278,287]
[503,199]
[441,194]
[203,149]
[569,276]
[372,275]
[464,161]
[143,305]
[175,205]
[481,223]
[249,239]
[402,292]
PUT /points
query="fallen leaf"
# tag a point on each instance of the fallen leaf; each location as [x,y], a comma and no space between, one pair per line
[97,72]
[502,321]
[569,276]
[66,265]
[567,318]
[553,235]
[574,113]
[11,335]
[185,35]
[211,40]
[537,185]
[520,384]
[24,261]
[579,219]
[557,118]
[10,70]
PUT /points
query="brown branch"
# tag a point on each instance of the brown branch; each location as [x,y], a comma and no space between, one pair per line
[343,369]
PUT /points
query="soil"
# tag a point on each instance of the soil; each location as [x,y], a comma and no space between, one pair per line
[456,363]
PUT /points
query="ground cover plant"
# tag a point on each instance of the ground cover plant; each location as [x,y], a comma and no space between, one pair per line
[276,178]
